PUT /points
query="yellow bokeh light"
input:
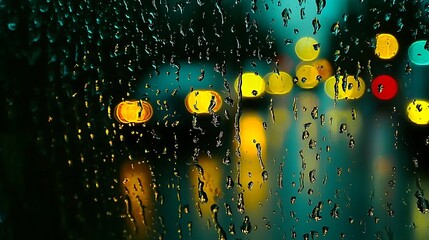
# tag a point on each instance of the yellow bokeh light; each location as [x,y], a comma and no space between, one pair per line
[308,76]
[354,89]
[418,112]
[252,85]
[307,49]
[278,83]
[386,46]
[135,111]
[203,101]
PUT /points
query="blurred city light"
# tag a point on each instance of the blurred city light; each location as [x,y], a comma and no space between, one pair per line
[136,111]
[386,46]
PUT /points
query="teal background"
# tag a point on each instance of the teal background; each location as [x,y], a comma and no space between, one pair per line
[66,64]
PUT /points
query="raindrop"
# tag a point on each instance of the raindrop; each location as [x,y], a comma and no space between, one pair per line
[12,26]
[285,17]
[264,125]
[246,227]
[321,4]
[335,28]
[351,143]
[422,203]
[335,211]
[229,182]
[228,210]
[343,128]
[315,113]
[202,195]
[328,148]
[325,230]
[354,114]
[240,203]
[306,236]
[231,229]
[316,27]
[227,158]
[250,185]
[202,74]
[371,211]
[312,144]
[312,176]
[315,214]
[305,135]
[264,176]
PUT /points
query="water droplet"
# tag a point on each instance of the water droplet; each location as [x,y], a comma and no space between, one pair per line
[229,182]
[371,211]
[354,114]
[240,203]
[12,26]
[231,229]
[352,143]
[250,185]
[246,227]
[335,211]
[228,209]
[312,144]
[264,176]
[315,113]
[325,230]
[312,176]
[202,195]
[343,128]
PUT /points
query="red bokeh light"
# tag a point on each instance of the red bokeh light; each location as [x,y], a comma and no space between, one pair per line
[384,87]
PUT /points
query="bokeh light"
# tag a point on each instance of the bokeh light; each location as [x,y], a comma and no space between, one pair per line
[386,46]
[135,111]
[349,88]
[418,112]
[278,83]
[330,86]
[202,101]
[384,87]
[308,76]
[252,85]
[418,54]
[307,49]
[324,67]
[355,87]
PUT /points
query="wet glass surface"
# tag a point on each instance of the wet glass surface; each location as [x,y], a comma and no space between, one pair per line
[214,119]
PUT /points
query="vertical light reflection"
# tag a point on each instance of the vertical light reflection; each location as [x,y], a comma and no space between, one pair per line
[253,159]
[139,198]
[207,173]
[386,178]
[277,129]
[207,184]
[256,176]
[303,151]
[419,220]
